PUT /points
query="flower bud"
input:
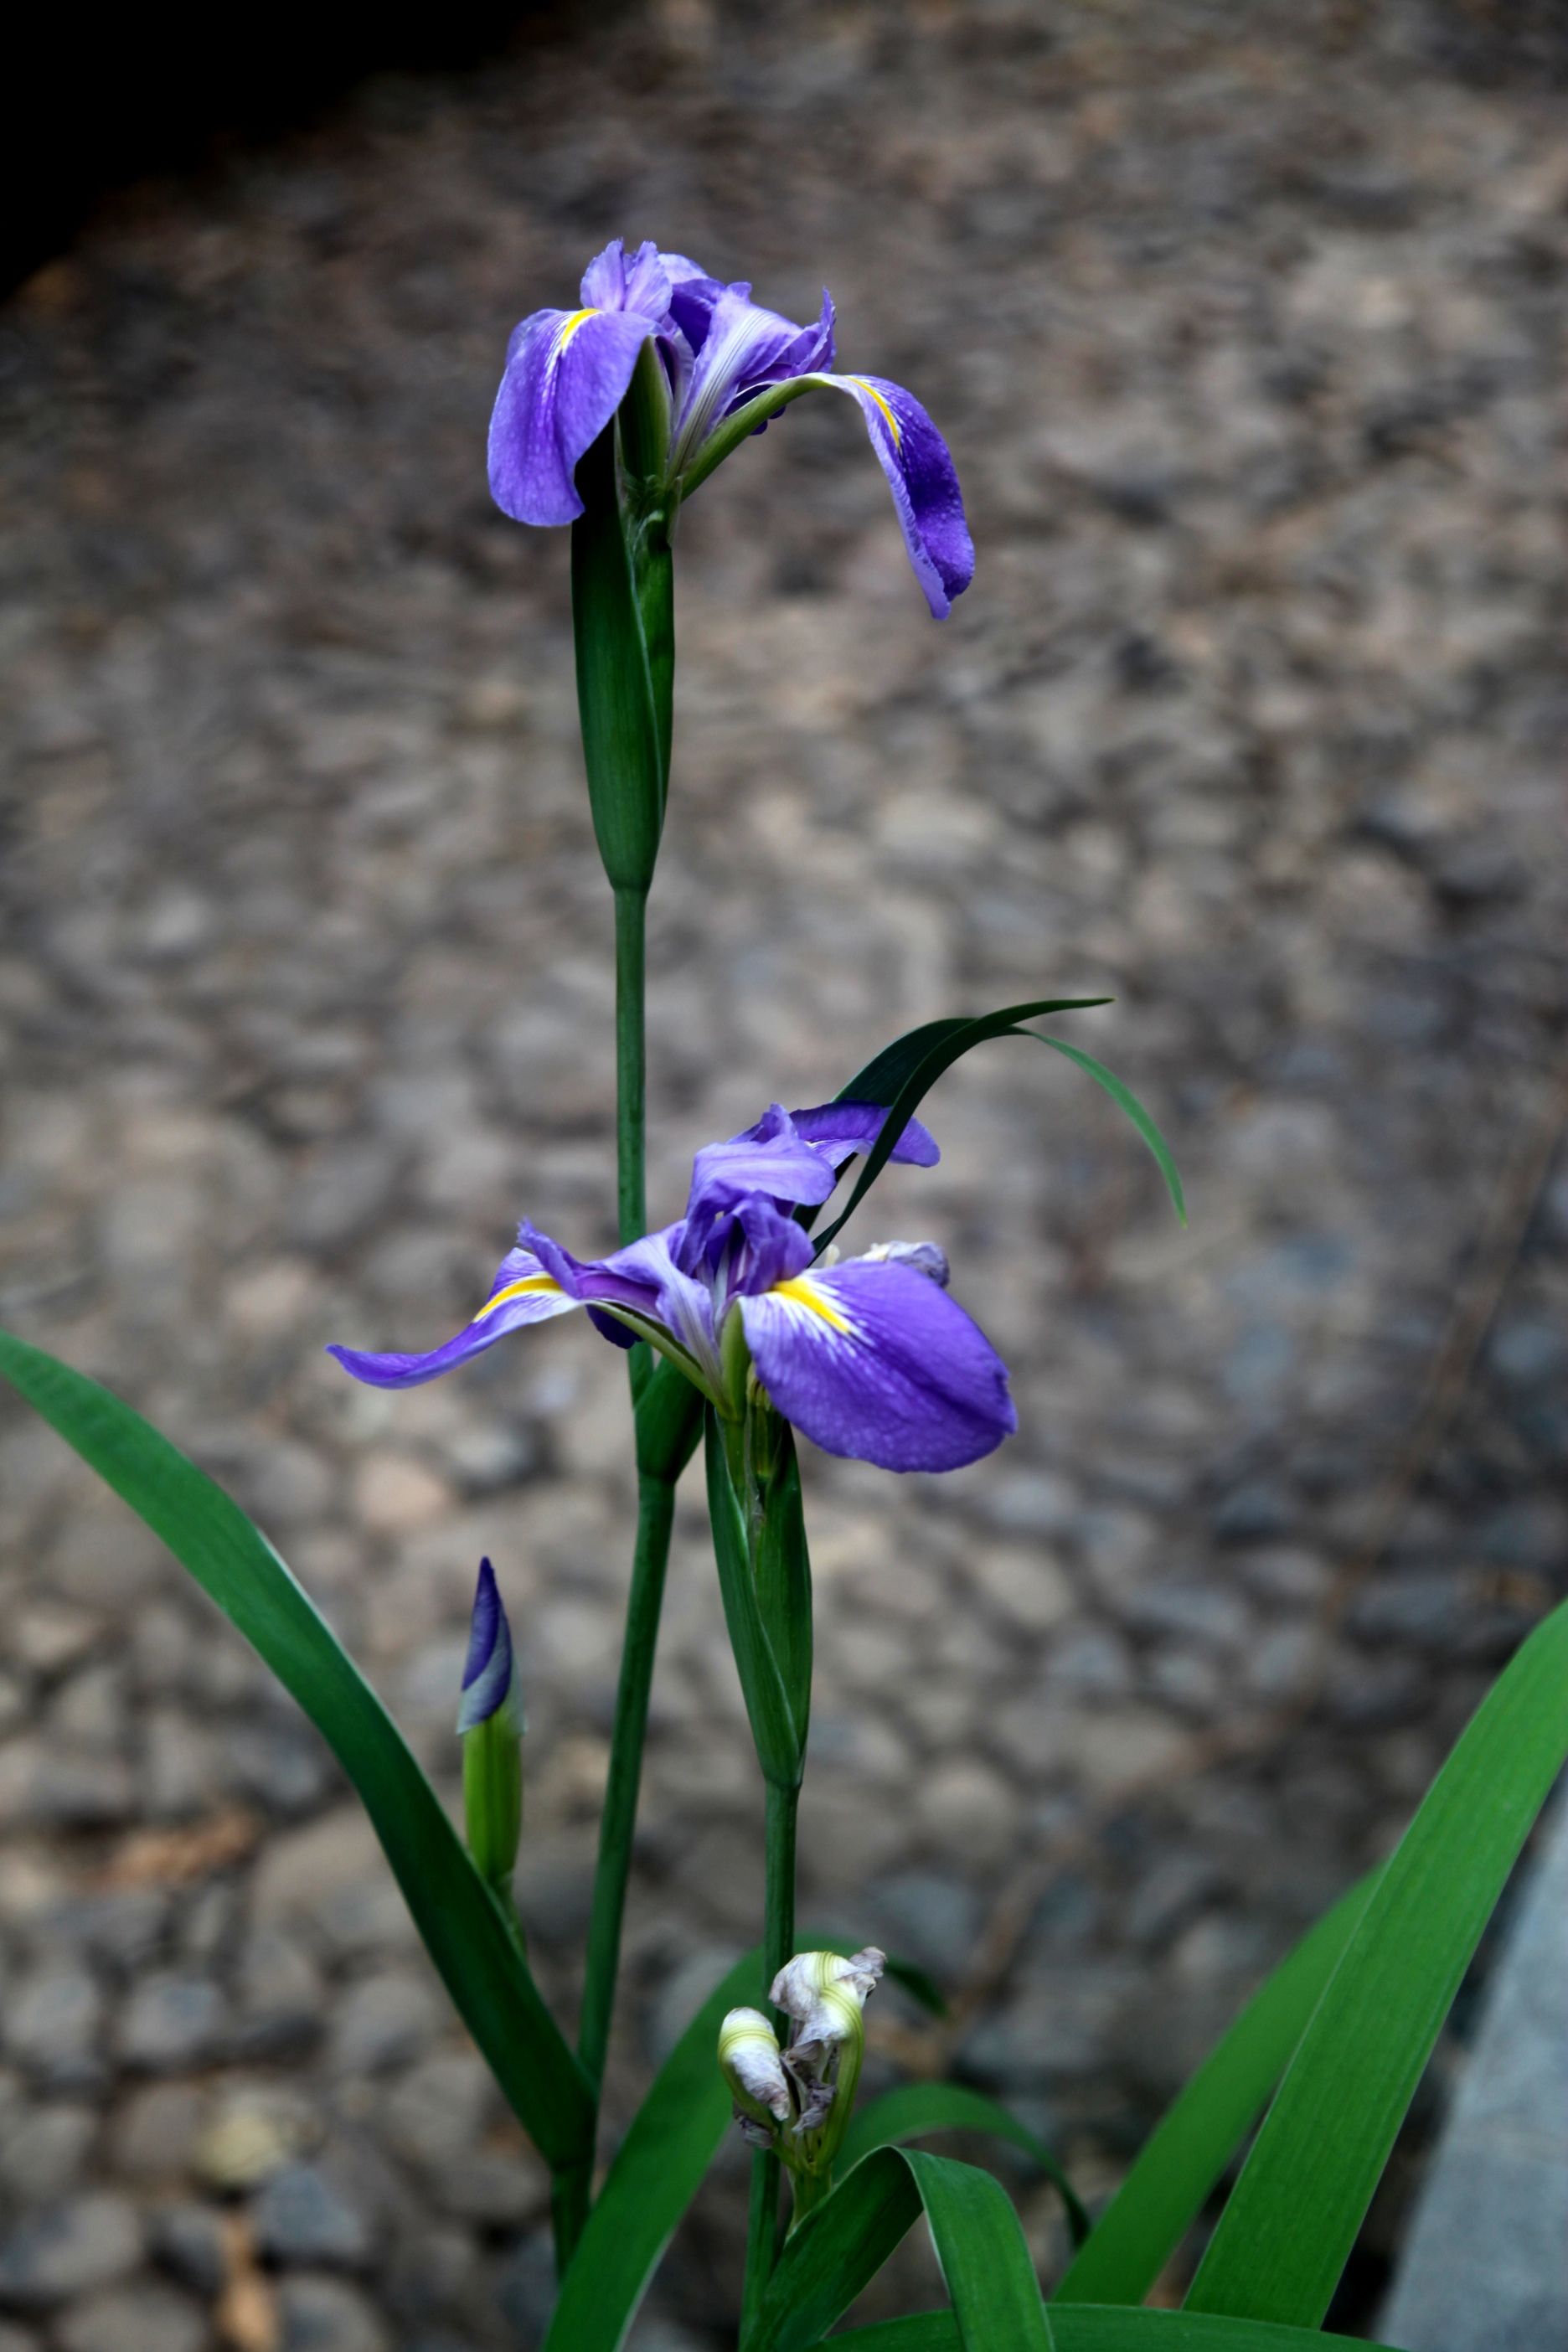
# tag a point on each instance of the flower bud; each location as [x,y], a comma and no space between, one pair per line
[824,1998]
[490,1722]
[925,1257]
[750,2060]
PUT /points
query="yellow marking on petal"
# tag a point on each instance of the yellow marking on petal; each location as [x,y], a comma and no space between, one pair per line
[805,1290]
[526,1287]
[578,319]
[894,427]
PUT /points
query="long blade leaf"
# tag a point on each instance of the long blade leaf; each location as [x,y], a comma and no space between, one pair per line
[1125,1099]
[461,1923]
[986,2266]
[945,1042]
[1291,2221]
[657,2172]
[1090,2327]
[835,2252]
[916,2108]
[1187,2152]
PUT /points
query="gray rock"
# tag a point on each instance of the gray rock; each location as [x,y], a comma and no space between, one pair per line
[156,2131]
[328,2315]
[439,2111]
[137,2319]
[52,2023]
[42,2153]
[171,2023]
[932,1918]
[188,2241]
[68,2250]
[384,2021]
[307,2214]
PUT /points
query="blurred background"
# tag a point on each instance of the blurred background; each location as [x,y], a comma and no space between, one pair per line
[1245,330]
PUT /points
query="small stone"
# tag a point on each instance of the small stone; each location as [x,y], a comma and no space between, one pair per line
[90,2241]
[188,2241]
[932,1918]
[384,2021]
[327,2314]
[42,2153]
[492,2190]
[16,2340]
[155,2132]
[966,1806]
[140,2318]
[1025,1585]
[394,1495]
[171,2023]
[255,2134]
[286,1768]
[306,2215]
[280,1996]
[52,2022]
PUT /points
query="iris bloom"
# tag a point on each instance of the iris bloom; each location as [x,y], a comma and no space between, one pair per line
[723,366]
[868,1356]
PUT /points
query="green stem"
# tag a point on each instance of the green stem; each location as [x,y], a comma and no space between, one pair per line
[778,1946]
[655,1515]
[631,1068]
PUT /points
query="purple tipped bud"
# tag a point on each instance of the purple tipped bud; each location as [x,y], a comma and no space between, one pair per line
[490,1672]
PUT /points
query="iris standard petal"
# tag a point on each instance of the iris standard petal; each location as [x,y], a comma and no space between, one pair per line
[921,474]
[524,1291]
[844,1129]
[872,1359]
[744,349]
[772,1157]
[641,282]
[567,372]
[659,1298]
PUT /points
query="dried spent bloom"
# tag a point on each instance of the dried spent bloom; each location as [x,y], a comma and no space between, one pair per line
[722,366]
[751,2065]
[869,1356]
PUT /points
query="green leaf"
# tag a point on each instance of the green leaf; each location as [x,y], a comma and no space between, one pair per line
[1292,2219]
[903,1082]
[840,2247]
[1188,2153]
[657,2171]
[783,1576]
[463,1927]
[1090,2327]
[1128,1101]
[916,2108]
[986,2266]
[778,1744]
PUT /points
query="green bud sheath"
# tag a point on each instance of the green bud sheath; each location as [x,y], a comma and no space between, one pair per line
[492,1796]
[622,619]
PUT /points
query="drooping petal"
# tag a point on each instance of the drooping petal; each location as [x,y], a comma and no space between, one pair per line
[921,474]
[872,1359]
[846,1128]
[645,1283]
[567,372]
[490,1676]
[524,1291]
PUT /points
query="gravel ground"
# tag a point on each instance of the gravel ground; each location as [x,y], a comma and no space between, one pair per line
[1247,337]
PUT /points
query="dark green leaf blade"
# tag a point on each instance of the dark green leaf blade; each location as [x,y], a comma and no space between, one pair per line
[1092,2327]
[835,2252]
[1187,2152]
[461,1923]
[1291,2221]
[984,2257]
[916,2108]
[1126,1100]
[657,2171]
[944,1043]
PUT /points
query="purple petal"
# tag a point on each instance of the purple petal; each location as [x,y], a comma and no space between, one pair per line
[872,1359]
[523,1292]
[847,1128]
[769,1158]
[645,1279]
[767,1246]
[921,474]
[692,295]
[743,349]
[567,372]
[641,285]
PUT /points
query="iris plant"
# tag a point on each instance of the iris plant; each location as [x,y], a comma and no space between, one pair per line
[869,1355]
[715,367]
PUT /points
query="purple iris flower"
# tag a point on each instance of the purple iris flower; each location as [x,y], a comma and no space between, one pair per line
[725,366]
[490,1670]
[869,1355]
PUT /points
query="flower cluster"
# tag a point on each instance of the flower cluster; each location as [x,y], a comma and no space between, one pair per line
[723,366]
[797,2100]
[869,1355]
